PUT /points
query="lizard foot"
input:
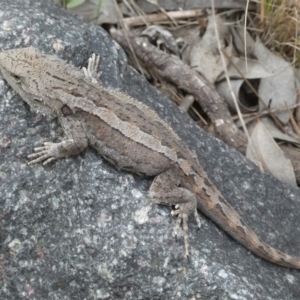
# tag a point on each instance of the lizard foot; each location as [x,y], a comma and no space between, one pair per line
[47,153]
[185,203]
[182,211]
[169,189]
[91,71]
[51,151]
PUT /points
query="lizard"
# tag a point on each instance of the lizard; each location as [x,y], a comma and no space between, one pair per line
[130,135]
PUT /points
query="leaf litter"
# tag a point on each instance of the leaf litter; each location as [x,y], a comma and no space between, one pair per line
[263,79]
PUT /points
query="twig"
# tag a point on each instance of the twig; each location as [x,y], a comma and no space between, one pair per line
[266,112]
[156,18]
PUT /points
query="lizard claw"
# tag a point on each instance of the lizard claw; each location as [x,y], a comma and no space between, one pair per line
[184,201]
[91,71]
[182,212]
[46,153]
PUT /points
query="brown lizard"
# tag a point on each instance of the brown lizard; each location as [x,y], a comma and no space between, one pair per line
[128,134]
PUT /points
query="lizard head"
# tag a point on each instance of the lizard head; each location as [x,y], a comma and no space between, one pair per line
[24,70]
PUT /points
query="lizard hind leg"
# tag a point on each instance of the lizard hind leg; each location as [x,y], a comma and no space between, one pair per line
[166,189]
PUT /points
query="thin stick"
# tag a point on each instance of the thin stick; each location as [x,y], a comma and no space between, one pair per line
[156,18]
[266,112]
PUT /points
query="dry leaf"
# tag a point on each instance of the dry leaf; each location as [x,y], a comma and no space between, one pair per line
[238,34]
[242,94]
[276,133]
[278,90]
[268,155]
[204,55]
[88,10]
[252,69]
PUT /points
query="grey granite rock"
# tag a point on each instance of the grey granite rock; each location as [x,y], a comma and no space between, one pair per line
[80,229]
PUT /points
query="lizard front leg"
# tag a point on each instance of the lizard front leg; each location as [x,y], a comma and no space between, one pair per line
[91,71]
[168,189]
[75,142]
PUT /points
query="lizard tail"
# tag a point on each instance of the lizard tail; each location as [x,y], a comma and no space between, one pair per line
[223,214]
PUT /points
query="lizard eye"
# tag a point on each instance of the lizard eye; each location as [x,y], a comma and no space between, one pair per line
[17,78]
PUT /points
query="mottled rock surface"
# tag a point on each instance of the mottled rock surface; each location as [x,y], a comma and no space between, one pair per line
[80,229]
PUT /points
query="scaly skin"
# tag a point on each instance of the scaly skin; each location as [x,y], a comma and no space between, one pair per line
[130,135]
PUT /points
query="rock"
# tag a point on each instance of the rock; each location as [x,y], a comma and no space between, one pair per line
[80,229]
